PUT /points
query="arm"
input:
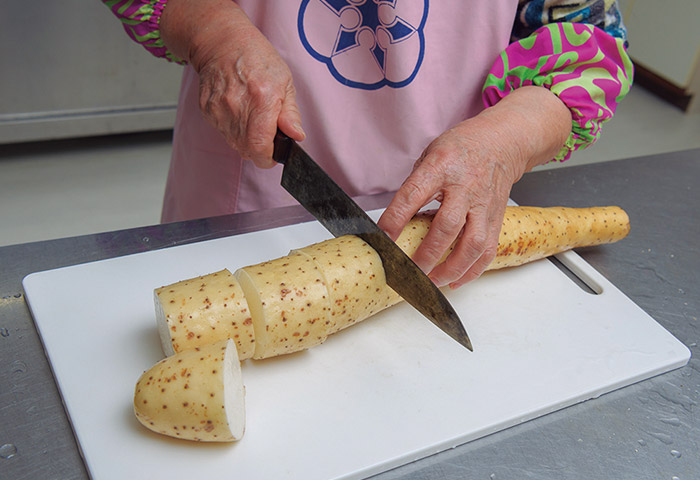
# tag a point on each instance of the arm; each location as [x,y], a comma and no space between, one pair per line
[246,89]
[471,168]
[584,64]
[141,21]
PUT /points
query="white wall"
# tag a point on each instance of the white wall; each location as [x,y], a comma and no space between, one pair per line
[664,36]
[69,69]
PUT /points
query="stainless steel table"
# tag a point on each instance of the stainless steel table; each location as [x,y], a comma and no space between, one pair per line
[650,430]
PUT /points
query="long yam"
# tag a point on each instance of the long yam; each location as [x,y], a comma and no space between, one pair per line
[295,302]
[210,323]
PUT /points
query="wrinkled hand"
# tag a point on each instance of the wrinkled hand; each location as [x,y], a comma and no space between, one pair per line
[466,171]
[470,170]
[246,90]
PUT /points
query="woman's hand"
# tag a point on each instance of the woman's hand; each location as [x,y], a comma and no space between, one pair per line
[246,90]
[470,170]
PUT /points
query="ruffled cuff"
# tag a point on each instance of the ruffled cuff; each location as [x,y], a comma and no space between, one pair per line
[141,20]
[588,69]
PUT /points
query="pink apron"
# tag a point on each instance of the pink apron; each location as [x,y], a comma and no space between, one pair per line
[376,82]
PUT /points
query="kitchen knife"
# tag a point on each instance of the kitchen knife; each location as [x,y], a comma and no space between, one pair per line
[306,181]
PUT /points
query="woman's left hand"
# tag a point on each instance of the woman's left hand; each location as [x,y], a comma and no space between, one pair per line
[470,170]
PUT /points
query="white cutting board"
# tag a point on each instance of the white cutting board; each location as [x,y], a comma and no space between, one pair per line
[377,395]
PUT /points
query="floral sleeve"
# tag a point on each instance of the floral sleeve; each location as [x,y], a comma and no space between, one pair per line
[585,65]
[140,19]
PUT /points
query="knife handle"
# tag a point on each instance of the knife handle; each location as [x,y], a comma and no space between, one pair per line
[282,145]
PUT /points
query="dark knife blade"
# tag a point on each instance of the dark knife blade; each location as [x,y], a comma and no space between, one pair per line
[306,181]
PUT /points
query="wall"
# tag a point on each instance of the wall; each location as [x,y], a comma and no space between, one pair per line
[665,38]
[69,69]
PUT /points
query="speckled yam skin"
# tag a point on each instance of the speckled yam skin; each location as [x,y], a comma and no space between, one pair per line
[531,233]
[289,303]
[355,278]
[194,395]
[204,310]
[295,302]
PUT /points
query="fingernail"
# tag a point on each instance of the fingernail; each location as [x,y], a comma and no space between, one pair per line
[297,127]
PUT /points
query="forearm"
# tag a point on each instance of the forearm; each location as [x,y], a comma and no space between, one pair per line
[186,27]
[141,21]
[536,124]
[585,67]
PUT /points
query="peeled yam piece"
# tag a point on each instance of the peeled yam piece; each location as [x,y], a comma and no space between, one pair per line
[289,304]
[354,275]
[204,310]
[195,395]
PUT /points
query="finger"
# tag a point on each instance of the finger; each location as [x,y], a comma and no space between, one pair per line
[260,130]
[289,121]
[418,190]
[445,228]
[495,224]
[468,249]
[477,269]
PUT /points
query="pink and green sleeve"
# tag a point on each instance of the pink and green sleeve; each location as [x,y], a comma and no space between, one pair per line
[584,65]
[140,19]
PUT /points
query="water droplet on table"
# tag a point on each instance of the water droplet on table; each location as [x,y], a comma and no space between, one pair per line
[492,476]
[8,451]
[642,442]
[662,437]
[671,421]
[675,478]
[4,332]
[18,366]
[676,453]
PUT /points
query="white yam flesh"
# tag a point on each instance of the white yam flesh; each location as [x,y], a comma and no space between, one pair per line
[194,395]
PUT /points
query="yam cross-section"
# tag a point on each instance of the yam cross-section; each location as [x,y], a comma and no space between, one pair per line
[295,302]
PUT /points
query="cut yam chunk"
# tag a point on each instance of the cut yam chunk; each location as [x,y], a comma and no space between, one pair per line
[289,304]
[353,272]
[204,310]
[194,395]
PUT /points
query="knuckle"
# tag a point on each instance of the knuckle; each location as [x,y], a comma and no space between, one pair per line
[455,270]
[412,190]
[489,254]
[478,243]
[432,253]
[263,91]
[470,276]
[449,221]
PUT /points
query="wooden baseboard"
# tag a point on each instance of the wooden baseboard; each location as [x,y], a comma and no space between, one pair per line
[661,87]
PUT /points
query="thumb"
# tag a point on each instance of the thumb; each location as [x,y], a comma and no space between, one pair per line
[289,120]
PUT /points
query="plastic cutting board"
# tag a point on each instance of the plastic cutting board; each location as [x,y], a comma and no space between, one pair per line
[385,392]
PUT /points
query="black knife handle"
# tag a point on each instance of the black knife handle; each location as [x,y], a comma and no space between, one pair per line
[282,145]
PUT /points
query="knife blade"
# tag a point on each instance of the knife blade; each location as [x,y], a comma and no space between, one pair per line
[311,186]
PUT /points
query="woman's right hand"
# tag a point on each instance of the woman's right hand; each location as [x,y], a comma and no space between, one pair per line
[246,90]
